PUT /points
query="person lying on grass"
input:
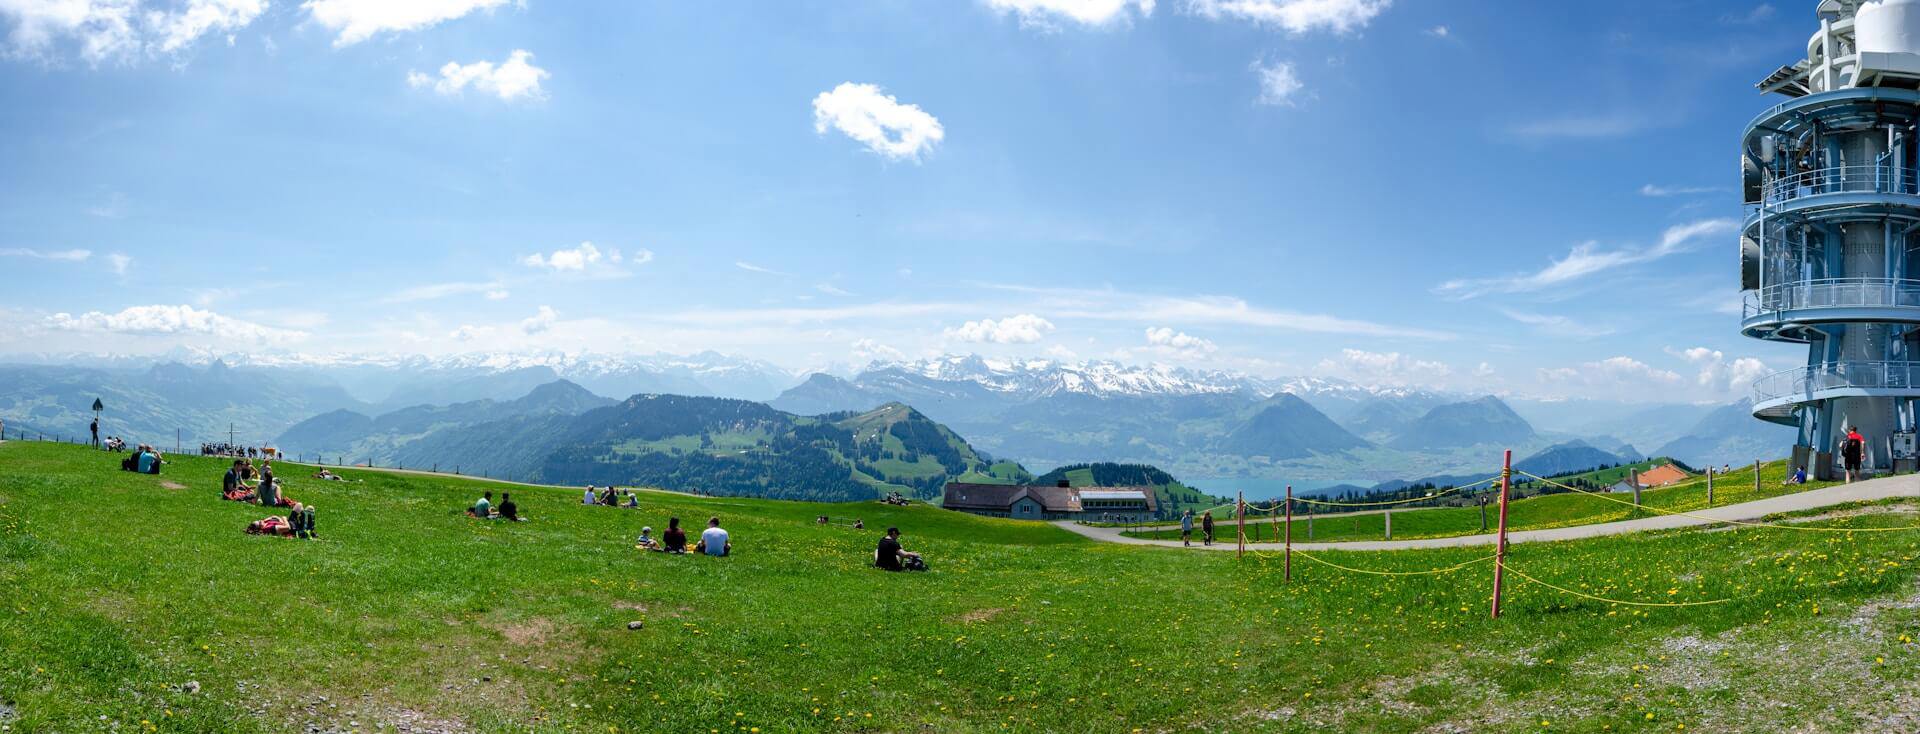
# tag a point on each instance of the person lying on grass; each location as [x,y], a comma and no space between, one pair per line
[675,539]
[646,541]
[301,521]
[328,475]
[890,556]
[713,540]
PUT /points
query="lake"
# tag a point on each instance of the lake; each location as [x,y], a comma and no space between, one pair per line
[1261,489]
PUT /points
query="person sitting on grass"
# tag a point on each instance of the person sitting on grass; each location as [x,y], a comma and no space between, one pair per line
[269,489]
[590,497]
[301,519]
[147,461]
[234,483]
[646,541]
[633,500]
[611,497]
[509,511]
[482,508]
[1799,476]
[890,556]
[674,539]
[713,540]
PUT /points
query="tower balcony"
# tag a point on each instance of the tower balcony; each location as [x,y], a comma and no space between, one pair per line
[1780,312]
[1787,192]
[1775,395]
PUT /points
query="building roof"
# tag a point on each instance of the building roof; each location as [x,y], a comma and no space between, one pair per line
[1661,476]
[967,496]
[1000,497]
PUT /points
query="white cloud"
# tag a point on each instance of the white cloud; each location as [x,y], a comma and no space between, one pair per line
[1044,13]
[1278,83]
[752,268]
[540,321]
[1615,376]
[861,111]
[1295,16]
[1657,191]
[359,20]
[469,332]
[498,295]
[1588,259]
[68,255]
[124,30]
[831,289]
[1024,328]
[511,80]
[586,259]
[1717,373]
[1557,324]
[1179,343]
[868,350]
[434,291]
[1384,368]
[164,320]
[1759,14]
[119,262]
[1439,31]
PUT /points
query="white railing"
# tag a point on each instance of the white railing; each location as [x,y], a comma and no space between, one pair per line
[1841,179]
[1834,293]
[1807,381]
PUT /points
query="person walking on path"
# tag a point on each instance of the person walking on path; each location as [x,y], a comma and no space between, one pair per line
[1206,528]
[1850,452]
[1186,528]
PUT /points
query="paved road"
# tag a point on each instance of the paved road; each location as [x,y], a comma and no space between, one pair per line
[1870,490]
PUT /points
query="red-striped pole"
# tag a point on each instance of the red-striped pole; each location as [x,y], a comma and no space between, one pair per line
[1289,536]
[1500,542]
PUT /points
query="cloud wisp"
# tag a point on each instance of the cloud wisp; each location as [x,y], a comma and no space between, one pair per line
[1049,15]
[1588,259]
[162,320]
[1294,16]
[886,126]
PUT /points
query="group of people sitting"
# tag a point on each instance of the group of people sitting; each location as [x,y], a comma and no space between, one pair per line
[115,444]
[484,509]
[714,541]
[611,498]
[895,498]
[144,459]
[238,485]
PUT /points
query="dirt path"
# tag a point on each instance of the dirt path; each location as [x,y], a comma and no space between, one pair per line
[1870,490]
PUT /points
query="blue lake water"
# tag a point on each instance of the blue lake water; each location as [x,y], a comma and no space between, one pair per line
[1267,489]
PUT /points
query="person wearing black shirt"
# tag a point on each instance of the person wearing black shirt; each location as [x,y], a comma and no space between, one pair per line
[509,511]
[674,539]
[890,556]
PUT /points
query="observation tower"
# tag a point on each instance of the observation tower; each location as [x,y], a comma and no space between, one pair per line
[1827,246]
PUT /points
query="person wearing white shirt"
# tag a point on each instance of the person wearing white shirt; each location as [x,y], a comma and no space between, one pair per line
[713,540]
[589,498]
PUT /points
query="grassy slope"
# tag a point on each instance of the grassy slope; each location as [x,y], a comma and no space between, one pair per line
[407,609]
[1532,513]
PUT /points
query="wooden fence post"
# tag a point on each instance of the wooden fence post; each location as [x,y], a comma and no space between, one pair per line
[1756,476]
[1240,523]
[1709,486]
[1389,516]
[1289,537]
[1500,542]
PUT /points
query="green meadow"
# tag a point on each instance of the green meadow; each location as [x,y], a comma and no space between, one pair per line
[136,603]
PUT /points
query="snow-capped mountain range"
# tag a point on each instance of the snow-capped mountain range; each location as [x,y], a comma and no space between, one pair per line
[1041,378]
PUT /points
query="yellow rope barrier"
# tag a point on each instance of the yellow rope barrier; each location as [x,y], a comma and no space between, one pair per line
[1449,569]
[1809,528]
[1585,595]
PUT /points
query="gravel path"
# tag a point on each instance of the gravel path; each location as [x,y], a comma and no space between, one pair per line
[1869,490]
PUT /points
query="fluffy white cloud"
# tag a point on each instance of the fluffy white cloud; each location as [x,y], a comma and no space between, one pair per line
[1587,259]
[469,332]
[1295,16]
[124,30]
[68,255]
[877,120]
[1179,343]
[1278,83]
[1717,373]
[513,79]
[1025,328]
[1047,13]
[868,350]
[586,259]
[359,20]
[1619,376]
[1384,368]
[164,319]
[542,320]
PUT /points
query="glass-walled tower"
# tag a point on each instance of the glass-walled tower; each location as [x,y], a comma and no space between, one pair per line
[1827,247]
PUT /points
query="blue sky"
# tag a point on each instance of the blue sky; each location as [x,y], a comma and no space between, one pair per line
[1532,198]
